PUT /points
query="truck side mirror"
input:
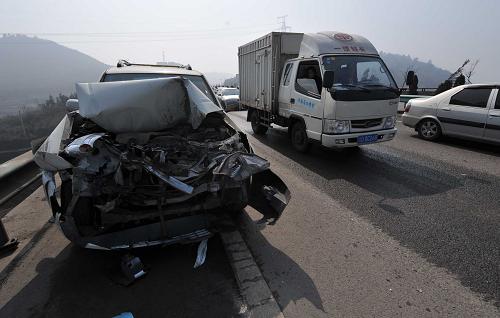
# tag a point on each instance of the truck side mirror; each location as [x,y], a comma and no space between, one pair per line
[328,79]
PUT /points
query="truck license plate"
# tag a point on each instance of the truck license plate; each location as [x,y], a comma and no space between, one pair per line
[367,139]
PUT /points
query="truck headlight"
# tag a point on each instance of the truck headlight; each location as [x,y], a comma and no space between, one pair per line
[390,122]
[331,126]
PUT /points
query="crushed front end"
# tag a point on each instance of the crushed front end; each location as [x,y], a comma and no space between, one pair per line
[140,181]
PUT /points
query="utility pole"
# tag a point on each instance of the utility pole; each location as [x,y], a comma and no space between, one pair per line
[282,22]
[163,53]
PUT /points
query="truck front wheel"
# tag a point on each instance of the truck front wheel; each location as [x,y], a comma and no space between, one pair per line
[300,141]
[257,127]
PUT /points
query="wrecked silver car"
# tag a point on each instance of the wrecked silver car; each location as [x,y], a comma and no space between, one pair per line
[151,162]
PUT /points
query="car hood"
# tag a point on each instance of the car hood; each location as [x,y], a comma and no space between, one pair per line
[143,105]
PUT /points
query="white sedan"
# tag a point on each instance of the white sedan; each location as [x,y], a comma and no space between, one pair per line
[466,111]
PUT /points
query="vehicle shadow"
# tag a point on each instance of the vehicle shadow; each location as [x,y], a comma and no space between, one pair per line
[382,174]
[447,218]
[288,282]
[470,145]
[82,283]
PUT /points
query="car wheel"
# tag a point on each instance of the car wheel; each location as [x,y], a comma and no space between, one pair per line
[257,127]
[429,129]
[300,141]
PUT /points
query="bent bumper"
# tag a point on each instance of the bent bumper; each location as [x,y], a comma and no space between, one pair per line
[183,230]
[351,140]
[410,121]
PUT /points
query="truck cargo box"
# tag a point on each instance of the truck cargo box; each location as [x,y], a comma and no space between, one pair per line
[260,65]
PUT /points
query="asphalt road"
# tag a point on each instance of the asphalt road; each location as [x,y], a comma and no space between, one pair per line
[58,279]
[398,229]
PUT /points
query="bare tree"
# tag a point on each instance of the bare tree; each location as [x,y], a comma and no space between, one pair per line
[459,71]
[471,70]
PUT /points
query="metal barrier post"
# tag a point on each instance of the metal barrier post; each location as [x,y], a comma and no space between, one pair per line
[6,244]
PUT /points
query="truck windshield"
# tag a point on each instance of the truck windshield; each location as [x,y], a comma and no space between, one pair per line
[360,78]
[197,80]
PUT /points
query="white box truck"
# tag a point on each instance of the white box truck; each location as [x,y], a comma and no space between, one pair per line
[329,87]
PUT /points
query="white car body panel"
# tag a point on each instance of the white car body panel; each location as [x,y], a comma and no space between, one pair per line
[470,122]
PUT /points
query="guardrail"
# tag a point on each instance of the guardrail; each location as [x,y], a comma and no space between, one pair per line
[403,99]
[429,90]
[19,177]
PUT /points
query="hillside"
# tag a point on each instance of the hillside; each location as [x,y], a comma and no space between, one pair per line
[31,69]
[233,81]
[217,78]
[429,75]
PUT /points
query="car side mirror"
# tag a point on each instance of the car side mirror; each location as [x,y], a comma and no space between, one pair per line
[72,105]
[328,77]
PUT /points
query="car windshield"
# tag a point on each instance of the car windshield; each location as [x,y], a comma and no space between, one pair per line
[231,91]
[358,78]
[197,80]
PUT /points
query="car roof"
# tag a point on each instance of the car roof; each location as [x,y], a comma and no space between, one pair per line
[480,85]
[151,69]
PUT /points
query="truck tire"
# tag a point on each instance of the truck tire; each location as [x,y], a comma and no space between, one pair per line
[300,141]
[257,127]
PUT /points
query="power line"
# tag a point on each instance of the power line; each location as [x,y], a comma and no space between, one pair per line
[141,33]
[188,37]
[282,22]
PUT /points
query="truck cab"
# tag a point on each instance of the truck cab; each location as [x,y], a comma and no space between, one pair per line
[337,91]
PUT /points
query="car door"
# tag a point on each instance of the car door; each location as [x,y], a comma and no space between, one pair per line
[465,113]
[305,97]
[492,129]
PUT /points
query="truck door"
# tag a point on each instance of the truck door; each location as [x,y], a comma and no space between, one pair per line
[284,91]
[305,97]
[492,130]
[466,112]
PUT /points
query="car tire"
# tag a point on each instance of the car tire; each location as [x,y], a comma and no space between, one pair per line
[429,129]
[300,141]
[257,127]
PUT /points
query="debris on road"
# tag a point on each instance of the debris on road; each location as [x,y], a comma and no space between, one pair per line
[132,268]
[201,254]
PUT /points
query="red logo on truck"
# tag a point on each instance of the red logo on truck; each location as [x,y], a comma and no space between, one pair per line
[342,37]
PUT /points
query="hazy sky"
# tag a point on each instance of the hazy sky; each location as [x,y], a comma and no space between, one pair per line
[206,34]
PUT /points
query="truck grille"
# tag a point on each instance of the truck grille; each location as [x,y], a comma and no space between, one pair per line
[366,123]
